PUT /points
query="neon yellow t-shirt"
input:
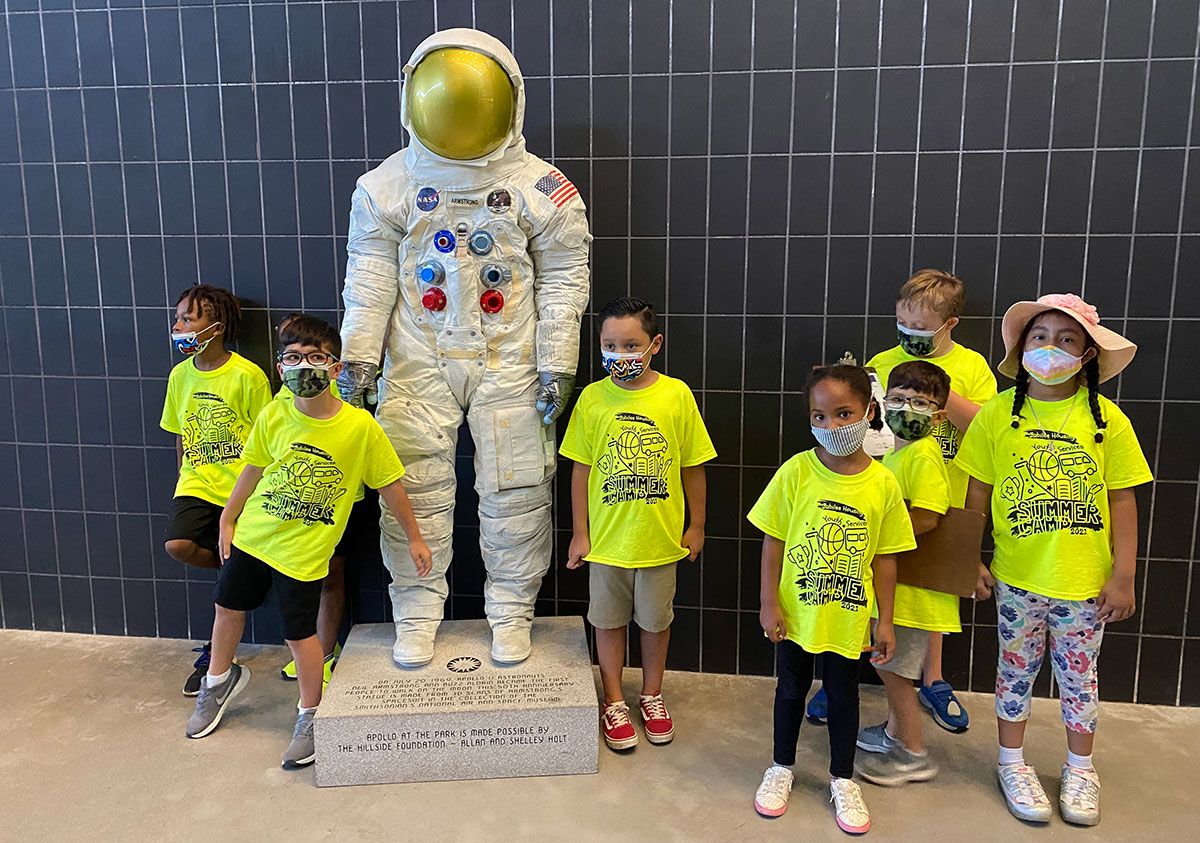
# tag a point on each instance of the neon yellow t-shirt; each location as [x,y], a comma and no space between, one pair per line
[1050,481]
[970,377]
[285,394]
[924,484]
[297,513]
[213,412]
[832,527]
[637,441]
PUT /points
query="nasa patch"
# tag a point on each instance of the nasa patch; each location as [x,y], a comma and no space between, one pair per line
[427,199]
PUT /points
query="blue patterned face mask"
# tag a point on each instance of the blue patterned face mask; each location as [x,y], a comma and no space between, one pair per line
[842,441]
[187,342]
[624,367]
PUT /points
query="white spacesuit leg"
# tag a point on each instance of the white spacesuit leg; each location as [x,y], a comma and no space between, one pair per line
[514,464]
[424,433]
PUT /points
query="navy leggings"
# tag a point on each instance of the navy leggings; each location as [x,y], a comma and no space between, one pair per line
[840,680]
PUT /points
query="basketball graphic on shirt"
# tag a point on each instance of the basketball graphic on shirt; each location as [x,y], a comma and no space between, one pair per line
[298,473]
[628,444]
[1043,466]
[830,539]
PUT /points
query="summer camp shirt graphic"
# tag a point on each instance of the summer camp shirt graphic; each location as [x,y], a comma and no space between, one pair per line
[304,487]
[212,432]
[829,563]
[636,462]
[1054,487]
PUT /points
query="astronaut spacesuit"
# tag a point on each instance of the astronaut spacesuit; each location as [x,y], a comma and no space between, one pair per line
[467,273]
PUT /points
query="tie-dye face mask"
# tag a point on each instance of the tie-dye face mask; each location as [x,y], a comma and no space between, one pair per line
[1050,365]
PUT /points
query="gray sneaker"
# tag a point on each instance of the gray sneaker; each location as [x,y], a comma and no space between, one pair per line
[301,751]
[212,702]
[895,767]
[875,739]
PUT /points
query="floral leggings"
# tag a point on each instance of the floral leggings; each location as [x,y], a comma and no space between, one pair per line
[1074,650]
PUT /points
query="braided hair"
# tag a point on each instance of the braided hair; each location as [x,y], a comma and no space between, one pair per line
[1091,371]
[219,304]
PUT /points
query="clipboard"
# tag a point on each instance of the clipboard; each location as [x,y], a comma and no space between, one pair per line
[947,557]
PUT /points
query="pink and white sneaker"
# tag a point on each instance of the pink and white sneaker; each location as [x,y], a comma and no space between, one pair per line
[772,797]
[659,726]
[849,807]
[618,730]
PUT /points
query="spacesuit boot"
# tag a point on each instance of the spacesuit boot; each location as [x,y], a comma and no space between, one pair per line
[510,642]
[414,641]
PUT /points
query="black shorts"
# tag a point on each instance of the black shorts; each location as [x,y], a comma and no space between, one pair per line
[245,580]
[195,519]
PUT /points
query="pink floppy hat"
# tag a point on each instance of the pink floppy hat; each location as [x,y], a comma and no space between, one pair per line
[1114,351]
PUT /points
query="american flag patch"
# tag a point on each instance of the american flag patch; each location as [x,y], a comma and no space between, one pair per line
[557,186]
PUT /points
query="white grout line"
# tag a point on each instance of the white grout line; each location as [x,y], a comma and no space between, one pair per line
[912,245]
[1087,237]
[1187,592]
[865,355]
[1049,147]
[1137,189]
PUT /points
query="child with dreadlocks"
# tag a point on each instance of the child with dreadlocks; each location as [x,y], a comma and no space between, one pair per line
[1056,463]
[213,398]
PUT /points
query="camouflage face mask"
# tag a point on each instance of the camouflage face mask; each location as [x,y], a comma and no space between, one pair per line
[909,424]
[305,381]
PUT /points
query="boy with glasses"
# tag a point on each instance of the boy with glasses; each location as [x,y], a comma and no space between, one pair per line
[304,460]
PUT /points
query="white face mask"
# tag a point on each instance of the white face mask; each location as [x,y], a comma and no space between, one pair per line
[842,441]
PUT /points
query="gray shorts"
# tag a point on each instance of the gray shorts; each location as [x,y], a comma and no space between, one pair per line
[619,595]
[909,659]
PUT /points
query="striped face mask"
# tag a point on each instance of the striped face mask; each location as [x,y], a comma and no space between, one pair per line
[842,441]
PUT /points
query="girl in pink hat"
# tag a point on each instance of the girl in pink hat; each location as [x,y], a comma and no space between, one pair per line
[1056,463]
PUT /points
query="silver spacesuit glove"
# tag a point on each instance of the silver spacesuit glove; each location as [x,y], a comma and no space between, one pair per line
[356,383]
[553,394]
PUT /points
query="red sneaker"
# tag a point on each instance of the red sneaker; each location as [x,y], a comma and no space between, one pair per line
[659,727]
[618,730]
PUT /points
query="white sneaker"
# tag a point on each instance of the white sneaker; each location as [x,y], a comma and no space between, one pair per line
[772,797]
[1079,799]
[1023,792]
[849,807]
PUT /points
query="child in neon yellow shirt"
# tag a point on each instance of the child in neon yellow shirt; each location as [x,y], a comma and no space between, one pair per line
[833,520]
[917,393]
[928,308]
[639,447]
[1056,464]
[213,398]
[304,460]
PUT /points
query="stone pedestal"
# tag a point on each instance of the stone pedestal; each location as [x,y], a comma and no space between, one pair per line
[461,716]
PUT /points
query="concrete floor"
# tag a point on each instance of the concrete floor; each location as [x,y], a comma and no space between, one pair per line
[93,748]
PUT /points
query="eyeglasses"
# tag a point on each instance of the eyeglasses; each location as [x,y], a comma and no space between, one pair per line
[898,402]
[320,359]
